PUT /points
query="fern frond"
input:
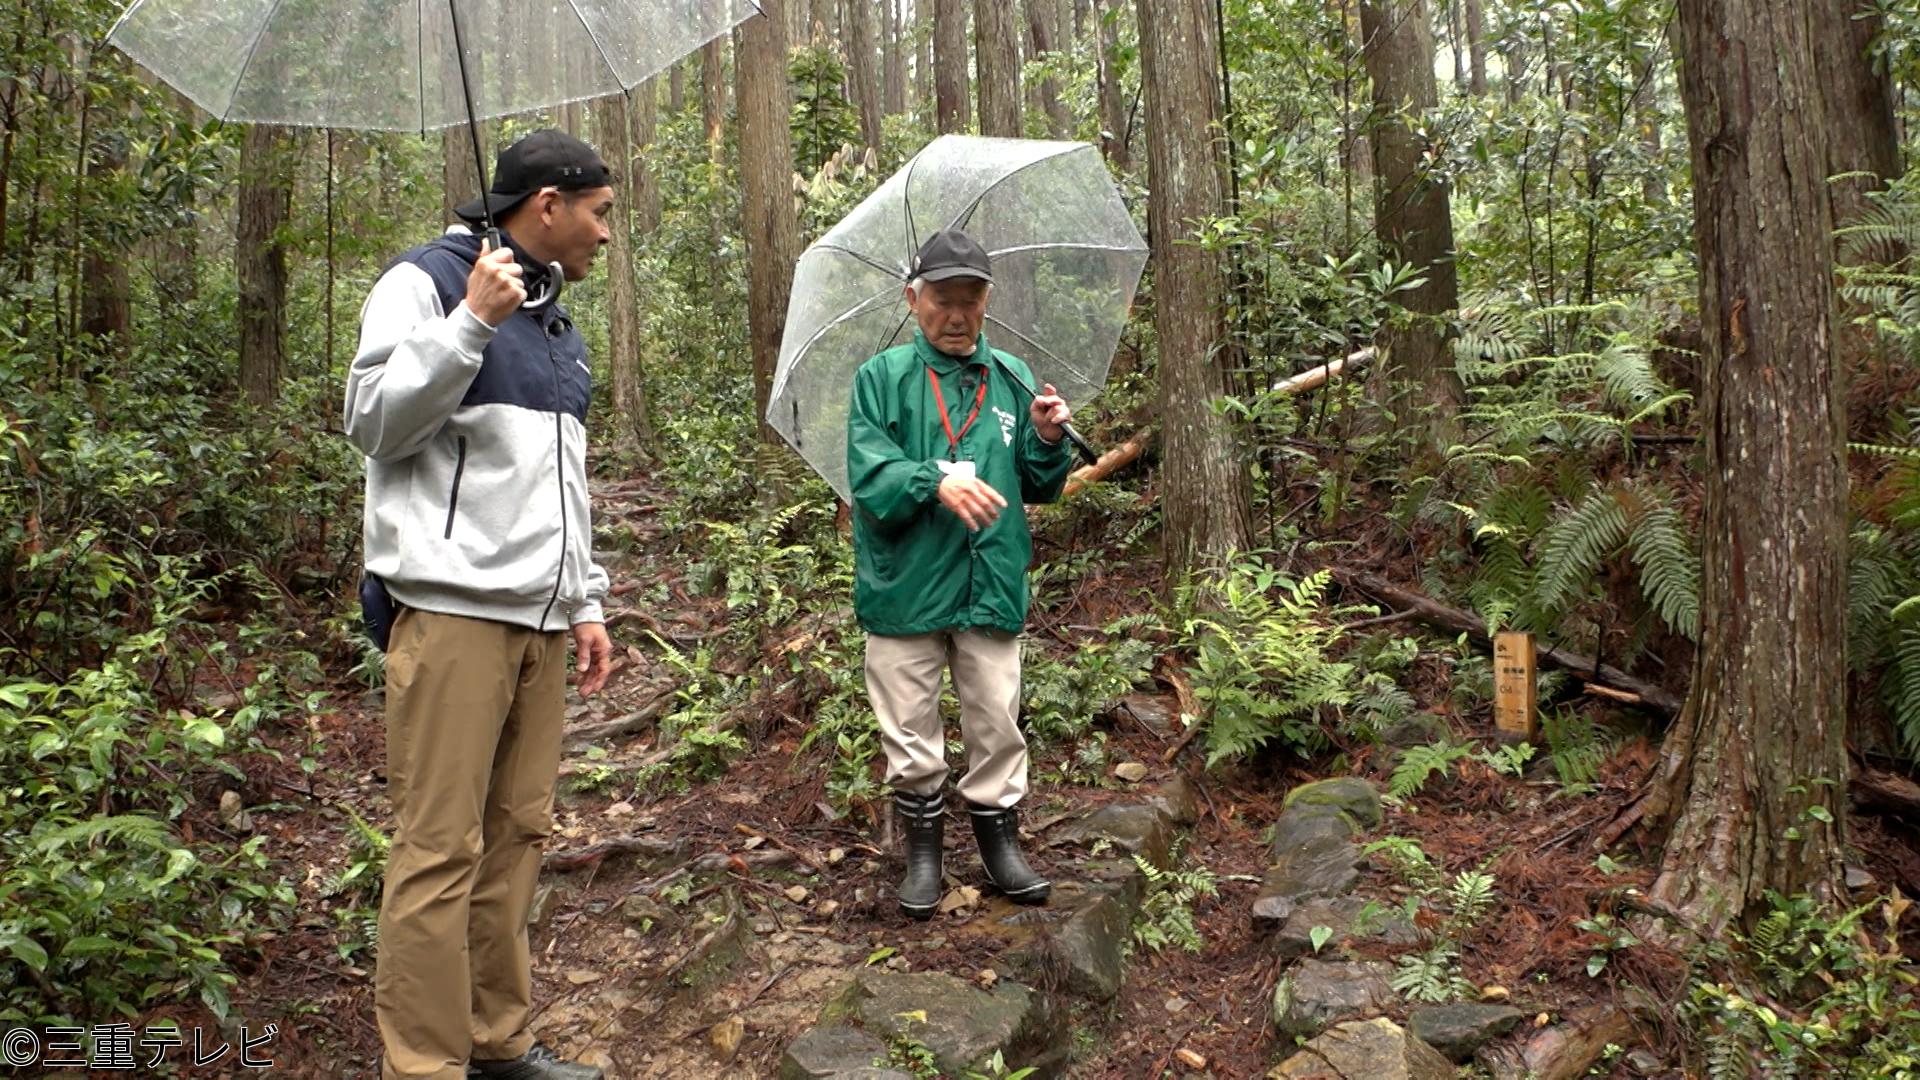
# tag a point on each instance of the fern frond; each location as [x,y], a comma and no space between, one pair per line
[1574,547]
[1669,569]
[1418,764]
[133,830]
[1901,686]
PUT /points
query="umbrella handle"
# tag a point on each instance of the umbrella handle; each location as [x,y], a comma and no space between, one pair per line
[555,276]
[492,240]
[1087,453]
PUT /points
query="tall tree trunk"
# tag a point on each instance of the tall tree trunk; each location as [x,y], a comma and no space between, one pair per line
[612,129]
[797,28]
[1863,136]
[1113,103]
[1205,500]
[260,263]
[1411,212]
[923,34]
[1043,41]
[644,109]
[1756,766]
[952,109]
[894,62]
[1457,46]
[1476,48]
[997,52]
[106,287]
[1515,64]
[860,64]
[677,87]
[766,169]
[713,95]
[459,176]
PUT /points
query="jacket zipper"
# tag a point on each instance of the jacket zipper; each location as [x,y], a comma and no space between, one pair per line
[453,497]
[560,475]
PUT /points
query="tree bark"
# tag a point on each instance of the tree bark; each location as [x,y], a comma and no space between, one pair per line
[923,36]
[713,95]
[766,169]
[1043,38]
[860,70]
[1760,744]
[106,288]
[997,52]
[1113,104]
[952,108]
[264,202]
[1863,136]
[459,175]
[1411,211]
[1205,499]
[613,130]
[893,64]
[1476,48]
[644,110]
[677,87]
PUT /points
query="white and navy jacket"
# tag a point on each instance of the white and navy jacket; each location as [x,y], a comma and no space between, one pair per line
[476,447]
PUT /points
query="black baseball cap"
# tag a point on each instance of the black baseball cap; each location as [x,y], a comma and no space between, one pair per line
[546,158]
[950,254]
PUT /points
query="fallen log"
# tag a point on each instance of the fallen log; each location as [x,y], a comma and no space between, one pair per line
[1891,794]
[1564,1051]
[1110,462]
[1312,378]
[1610,678]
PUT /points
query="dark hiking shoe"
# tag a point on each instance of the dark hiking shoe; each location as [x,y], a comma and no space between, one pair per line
[538,1063]
[923,820]
[998,833]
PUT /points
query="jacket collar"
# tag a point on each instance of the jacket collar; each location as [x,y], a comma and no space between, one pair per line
[533,272]
[943,364]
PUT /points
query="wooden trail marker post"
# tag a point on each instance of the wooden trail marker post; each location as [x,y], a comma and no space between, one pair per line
[1515,687]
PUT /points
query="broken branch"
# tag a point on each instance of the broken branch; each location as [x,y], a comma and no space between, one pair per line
[1584,668]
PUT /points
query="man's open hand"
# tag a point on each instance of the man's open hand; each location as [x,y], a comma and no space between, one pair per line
[594,656]
[976,503]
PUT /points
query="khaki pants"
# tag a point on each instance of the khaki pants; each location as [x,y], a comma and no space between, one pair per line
[474,712]
[903,680]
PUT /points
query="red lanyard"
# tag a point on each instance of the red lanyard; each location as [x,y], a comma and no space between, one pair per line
[953,441]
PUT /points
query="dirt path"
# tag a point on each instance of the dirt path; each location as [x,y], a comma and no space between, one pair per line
[656,971]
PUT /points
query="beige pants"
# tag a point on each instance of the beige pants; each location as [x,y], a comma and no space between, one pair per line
[474,712]
[903,679]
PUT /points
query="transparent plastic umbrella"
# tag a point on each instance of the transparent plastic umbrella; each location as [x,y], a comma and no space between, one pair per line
[1066,261]
[410,65]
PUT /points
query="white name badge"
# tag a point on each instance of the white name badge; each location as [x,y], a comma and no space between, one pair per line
[963,469]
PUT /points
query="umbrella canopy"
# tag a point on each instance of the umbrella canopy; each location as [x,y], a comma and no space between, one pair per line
[396,65]
[1066,260]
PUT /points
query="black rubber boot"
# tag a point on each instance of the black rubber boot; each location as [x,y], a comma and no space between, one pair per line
[998,833]
[923,819]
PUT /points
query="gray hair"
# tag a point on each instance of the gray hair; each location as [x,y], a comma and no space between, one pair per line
[919,283]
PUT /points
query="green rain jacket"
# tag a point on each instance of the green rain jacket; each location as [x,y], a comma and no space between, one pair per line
[917,569]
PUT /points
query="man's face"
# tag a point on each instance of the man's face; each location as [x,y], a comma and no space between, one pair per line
[951,313]
[575,227]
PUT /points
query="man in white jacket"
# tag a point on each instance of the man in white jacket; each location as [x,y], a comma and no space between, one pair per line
[470,406]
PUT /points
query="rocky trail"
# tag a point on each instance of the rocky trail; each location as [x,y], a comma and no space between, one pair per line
[741,927]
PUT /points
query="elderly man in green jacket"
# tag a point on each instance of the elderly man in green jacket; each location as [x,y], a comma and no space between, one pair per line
[943,451]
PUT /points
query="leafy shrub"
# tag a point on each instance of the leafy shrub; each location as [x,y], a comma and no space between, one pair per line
[104,909]
[1260,669]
